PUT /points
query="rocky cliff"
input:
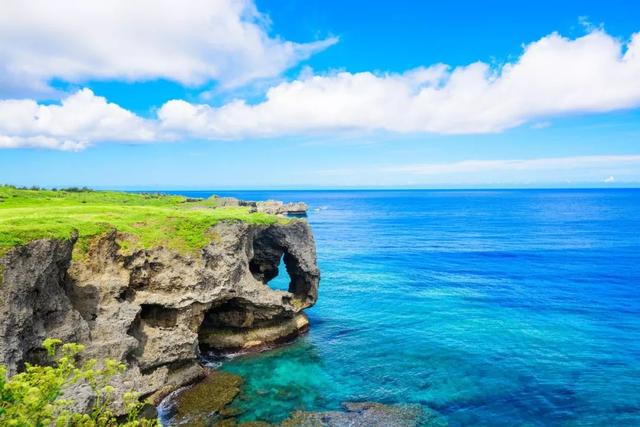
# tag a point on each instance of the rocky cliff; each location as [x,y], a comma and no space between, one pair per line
[154,309]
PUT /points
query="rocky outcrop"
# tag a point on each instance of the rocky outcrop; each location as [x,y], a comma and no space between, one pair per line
[271,207]
[276,207]
[233,202]
[198,404]
[206,404]
[360,414]
[151,308]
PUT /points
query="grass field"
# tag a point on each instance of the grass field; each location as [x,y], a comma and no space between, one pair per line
[149,220]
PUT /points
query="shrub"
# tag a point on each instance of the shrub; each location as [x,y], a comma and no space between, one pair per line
[34,397]
[77,189]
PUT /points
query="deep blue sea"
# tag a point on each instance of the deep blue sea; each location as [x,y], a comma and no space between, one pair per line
[488,308]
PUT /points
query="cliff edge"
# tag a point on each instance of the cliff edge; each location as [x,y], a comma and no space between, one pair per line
[156,309]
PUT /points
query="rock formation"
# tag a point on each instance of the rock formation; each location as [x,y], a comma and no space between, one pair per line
[271,207]
[276,207]
[155,309]
[195,405]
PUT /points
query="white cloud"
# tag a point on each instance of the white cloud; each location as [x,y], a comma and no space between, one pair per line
[41,142]
[71,125]
[554,76]
[191,42]
[610,179]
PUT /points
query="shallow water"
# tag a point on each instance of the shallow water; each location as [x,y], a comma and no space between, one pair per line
[489,307]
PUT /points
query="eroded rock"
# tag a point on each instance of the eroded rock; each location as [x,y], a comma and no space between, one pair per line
[271,207]
[34,303]
[224,339]
[276,207]
[148,308]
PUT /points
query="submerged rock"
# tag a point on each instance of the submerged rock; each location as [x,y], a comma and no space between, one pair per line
[359,414]
[149,308]
[356,414]
[207,398]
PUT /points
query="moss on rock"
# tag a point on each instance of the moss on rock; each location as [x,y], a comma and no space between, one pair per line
[208,397]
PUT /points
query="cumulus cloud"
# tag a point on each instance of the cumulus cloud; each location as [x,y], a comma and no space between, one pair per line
[73,124]
[190,42]
[553,76]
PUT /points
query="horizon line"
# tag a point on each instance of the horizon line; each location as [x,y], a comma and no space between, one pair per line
[461,187]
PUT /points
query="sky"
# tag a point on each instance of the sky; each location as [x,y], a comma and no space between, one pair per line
[221,94]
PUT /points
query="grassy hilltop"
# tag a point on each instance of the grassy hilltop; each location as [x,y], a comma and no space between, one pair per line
[148,219]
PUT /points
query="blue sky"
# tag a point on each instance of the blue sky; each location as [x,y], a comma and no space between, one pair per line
[313,94]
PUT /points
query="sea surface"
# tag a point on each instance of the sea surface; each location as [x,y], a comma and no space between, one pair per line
[488,308]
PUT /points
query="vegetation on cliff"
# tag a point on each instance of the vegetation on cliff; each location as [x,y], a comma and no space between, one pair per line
[148,220]
[35,397]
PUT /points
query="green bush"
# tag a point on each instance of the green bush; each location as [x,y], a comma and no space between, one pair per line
[34,397]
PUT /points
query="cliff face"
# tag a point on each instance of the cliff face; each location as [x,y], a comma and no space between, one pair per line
[33,302]
[154,309]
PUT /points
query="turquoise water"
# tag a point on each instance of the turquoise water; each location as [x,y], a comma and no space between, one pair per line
[496,308]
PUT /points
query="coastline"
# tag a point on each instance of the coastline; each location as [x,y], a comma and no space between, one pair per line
[152,308]
[442,289]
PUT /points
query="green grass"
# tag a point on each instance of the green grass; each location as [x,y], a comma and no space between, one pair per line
[148,220]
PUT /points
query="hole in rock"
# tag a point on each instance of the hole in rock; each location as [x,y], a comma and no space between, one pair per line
[270,268]
[158,316]
[272,258]
[282,280]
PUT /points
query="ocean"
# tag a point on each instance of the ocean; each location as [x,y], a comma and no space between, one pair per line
[485,307]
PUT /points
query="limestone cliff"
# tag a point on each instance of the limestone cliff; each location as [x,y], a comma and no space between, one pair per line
[155,309]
